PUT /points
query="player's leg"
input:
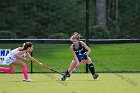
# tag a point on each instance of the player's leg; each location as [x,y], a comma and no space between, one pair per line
[82,61]
[9,70]
[91,67]
[12,68]
[72,66]
[24,69]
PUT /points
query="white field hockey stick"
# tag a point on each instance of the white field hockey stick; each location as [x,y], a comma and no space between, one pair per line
[74,69]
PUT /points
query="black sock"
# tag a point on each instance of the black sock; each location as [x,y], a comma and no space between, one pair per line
[91,67]
[66,73]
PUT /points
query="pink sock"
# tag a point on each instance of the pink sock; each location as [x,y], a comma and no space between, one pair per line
[6,70]
[25,71]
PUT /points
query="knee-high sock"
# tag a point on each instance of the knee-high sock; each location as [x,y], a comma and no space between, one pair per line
[6,70]
[25,71]
[91,67]
[66,73]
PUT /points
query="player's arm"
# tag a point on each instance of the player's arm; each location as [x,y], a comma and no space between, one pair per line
[86,47]
[33,59]
[75,56]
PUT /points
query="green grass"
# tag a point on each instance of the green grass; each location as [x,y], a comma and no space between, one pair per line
[107,57]
[78,83]
[117,56]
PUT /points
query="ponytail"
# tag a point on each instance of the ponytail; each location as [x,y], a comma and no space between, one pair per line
[26,45]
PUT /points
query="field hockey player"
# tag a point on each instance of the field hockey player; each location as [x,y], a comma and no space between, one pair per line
[16,57]
[80,51]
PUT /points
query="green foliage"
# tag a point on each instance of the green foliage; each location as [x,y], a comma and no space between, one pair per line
[99,33]
[40,18]
[126,25]
[58,36]
[7,35]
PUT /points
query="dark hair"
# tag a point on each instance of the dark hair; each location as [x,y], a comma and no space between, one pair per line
[75,35]
[26,45]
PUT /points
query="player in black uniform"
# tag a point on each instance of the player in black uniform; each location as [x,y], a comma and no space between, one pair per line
[80,51]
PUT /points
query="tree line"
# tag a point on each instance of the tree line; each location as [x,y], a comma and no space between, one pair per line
[60,18]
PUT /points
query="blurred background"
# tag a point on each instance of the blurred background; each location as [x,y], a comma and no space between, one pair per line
[60,18]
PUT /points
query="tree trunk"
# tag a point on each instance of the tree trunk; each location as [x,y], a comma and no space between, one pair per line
[101,12]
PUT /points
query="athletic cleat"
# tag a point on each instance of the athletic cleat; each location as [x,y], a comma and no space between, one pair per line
[25,79]
[63,78]
[28,80]
[68,75]
[95,76]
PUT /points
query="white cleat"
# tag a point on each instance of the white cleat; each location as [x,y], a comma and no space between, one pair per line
[28,80]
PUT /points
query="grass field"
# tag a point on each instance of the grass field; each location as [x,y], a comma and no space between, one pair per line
[78,83]
[107,57]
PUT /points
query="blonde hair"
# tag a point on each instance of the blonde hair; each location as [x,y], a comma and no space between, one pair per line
[75,35]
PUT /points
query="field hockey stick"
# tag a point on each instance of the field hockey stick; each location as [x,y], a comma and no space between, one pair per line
[46,67]
[52,69]
[76,67]
[79,64]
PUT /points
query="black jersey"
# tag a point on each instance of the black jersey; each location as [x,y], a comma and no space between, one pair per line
[80,51]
